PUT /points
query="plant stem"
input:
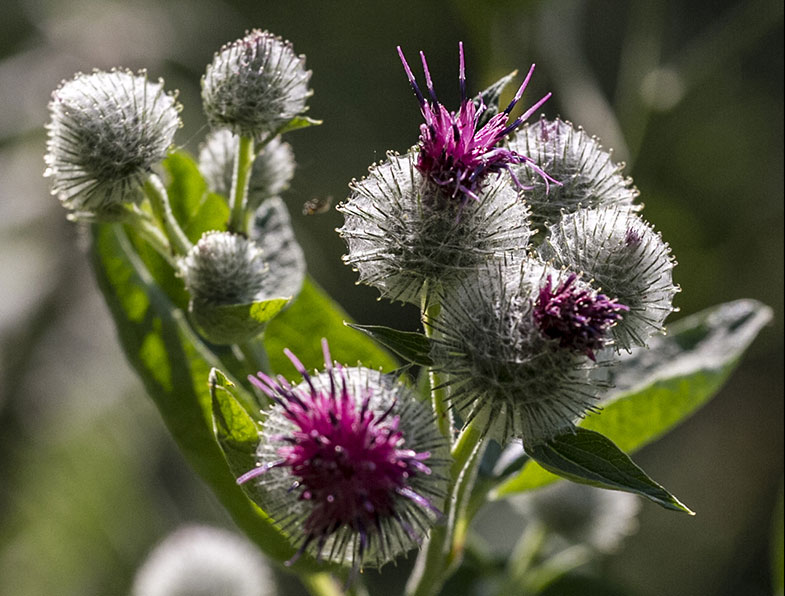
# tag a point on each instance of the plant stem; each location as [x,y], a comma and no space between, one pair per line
[240,178]
[156,192]
[255,355]
[439,555]
[144,225]
[429,311]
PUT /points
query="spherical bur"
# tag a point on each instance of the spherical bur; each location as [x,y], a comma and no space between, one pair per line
[598,518]
[402,231]
[622,256]
[254,85]
[588,176]
[351,464]
[272,171]
[223,270]
[499,364]
[107,130]
[204,561]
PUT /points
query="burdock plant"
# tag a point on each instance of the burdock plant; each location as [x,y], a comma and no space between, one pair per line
[543,292]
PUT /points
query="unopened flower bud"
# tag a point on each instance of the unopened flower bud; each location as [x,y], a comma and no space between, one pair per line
[625,259]
[351,462]
[108,130]
[588,176]
[402,231]
[204,561]
[224,269]
[271,173]
[500,364]
[254,85]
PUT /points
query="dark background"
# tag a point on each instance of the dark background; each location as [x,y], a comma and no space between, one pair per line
[689,94]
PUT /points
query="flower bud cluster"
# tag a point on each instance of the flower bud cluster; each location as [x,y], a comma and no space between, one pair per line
[532,238]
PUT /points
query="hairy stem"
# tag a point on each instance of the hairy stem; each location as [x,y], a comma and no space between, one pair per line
[429,310]
[240,178]
[159,199]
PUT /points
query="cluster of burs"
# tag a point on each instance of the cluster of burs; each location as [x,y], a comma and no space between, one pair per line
[521,242]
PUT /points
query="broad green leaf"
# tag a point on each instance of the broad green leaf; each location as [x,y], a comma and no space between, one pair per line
[226,324]
[588,457]
[657,388]
[310,317]
[211,214]
[297,123]
[185,186]
[174,365]
[409,345]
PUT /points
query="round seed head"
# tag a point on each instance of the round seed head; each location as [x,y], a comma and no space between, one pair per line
[107,130]
[273,167]
[254,85]
[626,259]
[588,176]
[500,365]
[350,464]
[402,231]
[204,561]
[224,269]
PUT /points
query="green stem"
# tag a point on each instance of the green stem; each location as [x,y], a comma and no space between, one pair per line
[255,356]
[156,192]
[240,179]
[439,556]
[429,310]
[152,234]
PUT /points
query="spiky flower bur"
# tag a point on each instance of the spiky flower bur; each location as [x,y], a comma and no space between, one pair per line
[626,259]
[272,171]
[224,269]
[254,85]
[576,315]
[402,231]
[577,513]
[204,561]
[108,129]
[588,176]
[499,364]
[351,463]
[458,150]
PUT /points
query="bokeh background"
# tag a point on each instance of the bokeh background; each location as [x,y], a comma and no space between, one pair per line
[689,94]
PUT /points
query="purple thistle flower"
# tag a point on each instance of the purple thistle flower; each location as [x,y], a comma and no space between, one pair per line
[578,317]
[347,458]
[456,153]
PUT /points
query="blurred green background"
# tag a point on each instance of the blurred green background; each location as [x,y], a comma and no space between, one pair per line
[689,94]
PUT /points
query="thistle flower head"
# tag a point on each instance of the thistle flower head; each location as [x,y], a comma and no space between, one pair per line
[273,167]
[501,365]
[108,129]
[588,176]
[254,85]
[577,513]
[224,269]
[350,462]
[204,561]
[623,257]
[575,315]
[457,152]
[401,232]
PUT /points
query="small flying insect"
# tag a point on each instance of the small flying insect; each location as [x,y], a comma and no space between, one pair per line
[317,205]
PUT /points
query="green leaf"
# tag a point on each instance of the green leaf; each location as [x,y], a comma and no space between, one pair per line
[590,458]
[226,324]
[297,123]
[411,346]
[658,387]
[490,97]
[186,187]
[174,365]
[310,317]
